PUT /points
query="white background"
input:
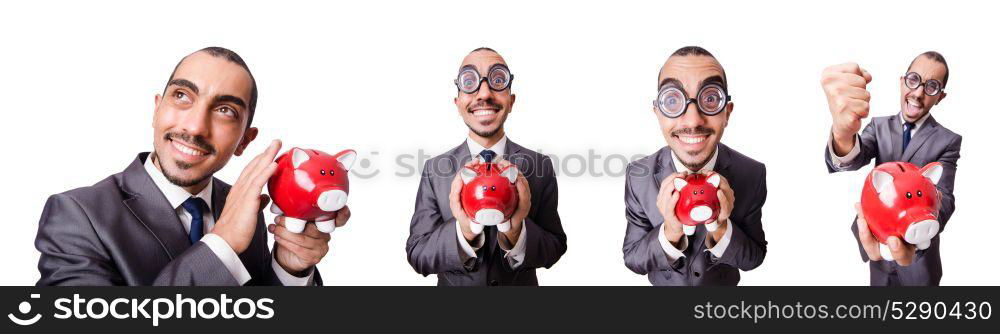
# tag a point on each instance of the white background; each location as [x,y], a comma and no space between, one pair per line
[77,81]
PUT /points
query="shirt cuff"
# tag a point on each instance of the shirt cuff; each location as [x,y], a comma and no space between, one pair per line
[289,279]
[723,243]
[468,250]
[515,254]
[839,161]
[673,253]
[228,256]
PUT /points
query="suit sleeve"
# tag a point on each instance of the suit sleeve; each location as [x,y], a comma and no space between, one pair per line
[946,185]
[869,147]
[642,250]
[72,253]
[432,246]
[747,246]
[546,241]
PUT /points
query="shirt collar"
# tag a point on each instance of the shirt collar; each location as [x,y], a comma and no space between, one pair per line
[919,123]
[498,148]
[710,166]
[175,194]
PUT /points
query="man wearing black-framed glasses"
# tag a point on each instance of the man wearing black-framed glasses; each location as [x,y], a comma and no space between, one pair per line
[443,239]
[912,135]
[693,108]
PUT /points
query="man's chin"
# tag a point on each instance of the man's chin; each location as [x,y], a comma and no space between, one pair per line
[184,177]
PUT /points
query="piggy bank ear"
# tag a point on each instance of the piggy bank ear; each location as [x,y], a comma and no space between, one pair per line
[346,158]
[933,172]
[467,174]
[715,179]
[510,173]
[299,157]
[882,181]
[680,183]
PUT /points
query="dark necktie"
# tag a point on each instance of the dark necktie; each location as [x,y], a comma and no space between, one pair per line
[907,128]
[488,155]
[195,206]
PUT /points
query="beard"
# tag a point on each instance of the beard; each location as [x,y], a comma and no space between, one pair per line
[488,132]
[174,178]
[696,165]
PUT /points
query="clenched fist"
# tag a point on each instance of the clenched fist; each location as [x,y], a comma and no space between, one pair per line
[844,86]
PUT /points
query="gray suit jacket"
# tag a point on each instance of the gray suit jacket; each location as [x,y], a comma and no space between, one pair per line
[432,247]
[122,231]
[747,246]
[882,140]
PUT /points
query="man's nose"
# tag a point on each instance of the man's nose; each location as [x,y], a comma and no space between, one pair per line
[196,120]
[918,93]
[484,92]
[692,117]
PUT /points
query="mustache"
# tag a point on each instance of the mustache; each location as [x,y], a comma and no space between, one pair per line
[196,141]
[484,103]
[698,130]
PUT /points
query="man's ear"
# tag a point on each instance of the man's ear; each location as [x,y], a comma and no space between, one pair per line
[248,137]
[729,111]
[943,95]
[513,98]
[156,105]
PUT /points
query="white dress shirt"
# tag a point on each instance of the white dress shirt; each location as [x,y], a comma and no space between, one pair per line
[176,196]
[513,253]
[840,161]
[674,253]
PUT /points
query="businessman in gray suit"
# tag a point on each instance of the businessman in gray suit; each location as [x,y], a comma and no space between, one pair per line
[693,109]
[912,135]
[442,241]
[165,220]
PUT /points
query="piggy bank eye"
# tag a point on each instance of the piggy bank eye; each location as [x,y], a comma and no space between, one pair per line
[703,191]
[322,172]
[909,195]
[920,193]
[494,188]
[484,188]
[331,172]
[694,192]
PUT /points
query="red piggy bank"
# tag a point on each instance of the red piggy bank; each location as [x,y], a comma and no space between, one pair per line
[698,202]
[489,195]
[310,185]
[902,200]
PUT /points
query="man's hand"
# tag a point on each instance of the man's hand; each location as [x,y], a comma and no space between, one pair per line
[902,253]
[844,86]
[727,199]
[666,200]
[523,204]
[455,199]
[299,252]
[238,220]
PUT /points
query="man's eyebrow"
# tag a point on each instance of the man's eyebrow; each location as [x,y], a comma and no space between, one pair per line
[673,81]
[184,83]
[716,79]
[230,98]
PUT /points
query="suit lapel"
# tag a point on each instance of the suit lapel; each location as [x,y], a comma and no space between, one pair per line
[664,165]
[152,209]
[896,138]
[927,131]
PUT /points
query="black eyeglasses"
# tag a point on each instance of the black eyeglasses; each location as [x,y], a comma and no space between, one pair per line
[931,87]
[673,102]
[498,78]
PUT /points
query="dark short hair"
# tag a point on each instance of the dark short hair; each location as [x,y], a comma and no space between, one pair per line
[935,56]
[234,58]
[693,50]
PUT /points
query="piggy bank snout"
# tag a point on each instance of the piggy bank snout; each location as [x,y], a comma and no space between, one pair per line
[331,200]
[489,217]
[920,233]
[701,213]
